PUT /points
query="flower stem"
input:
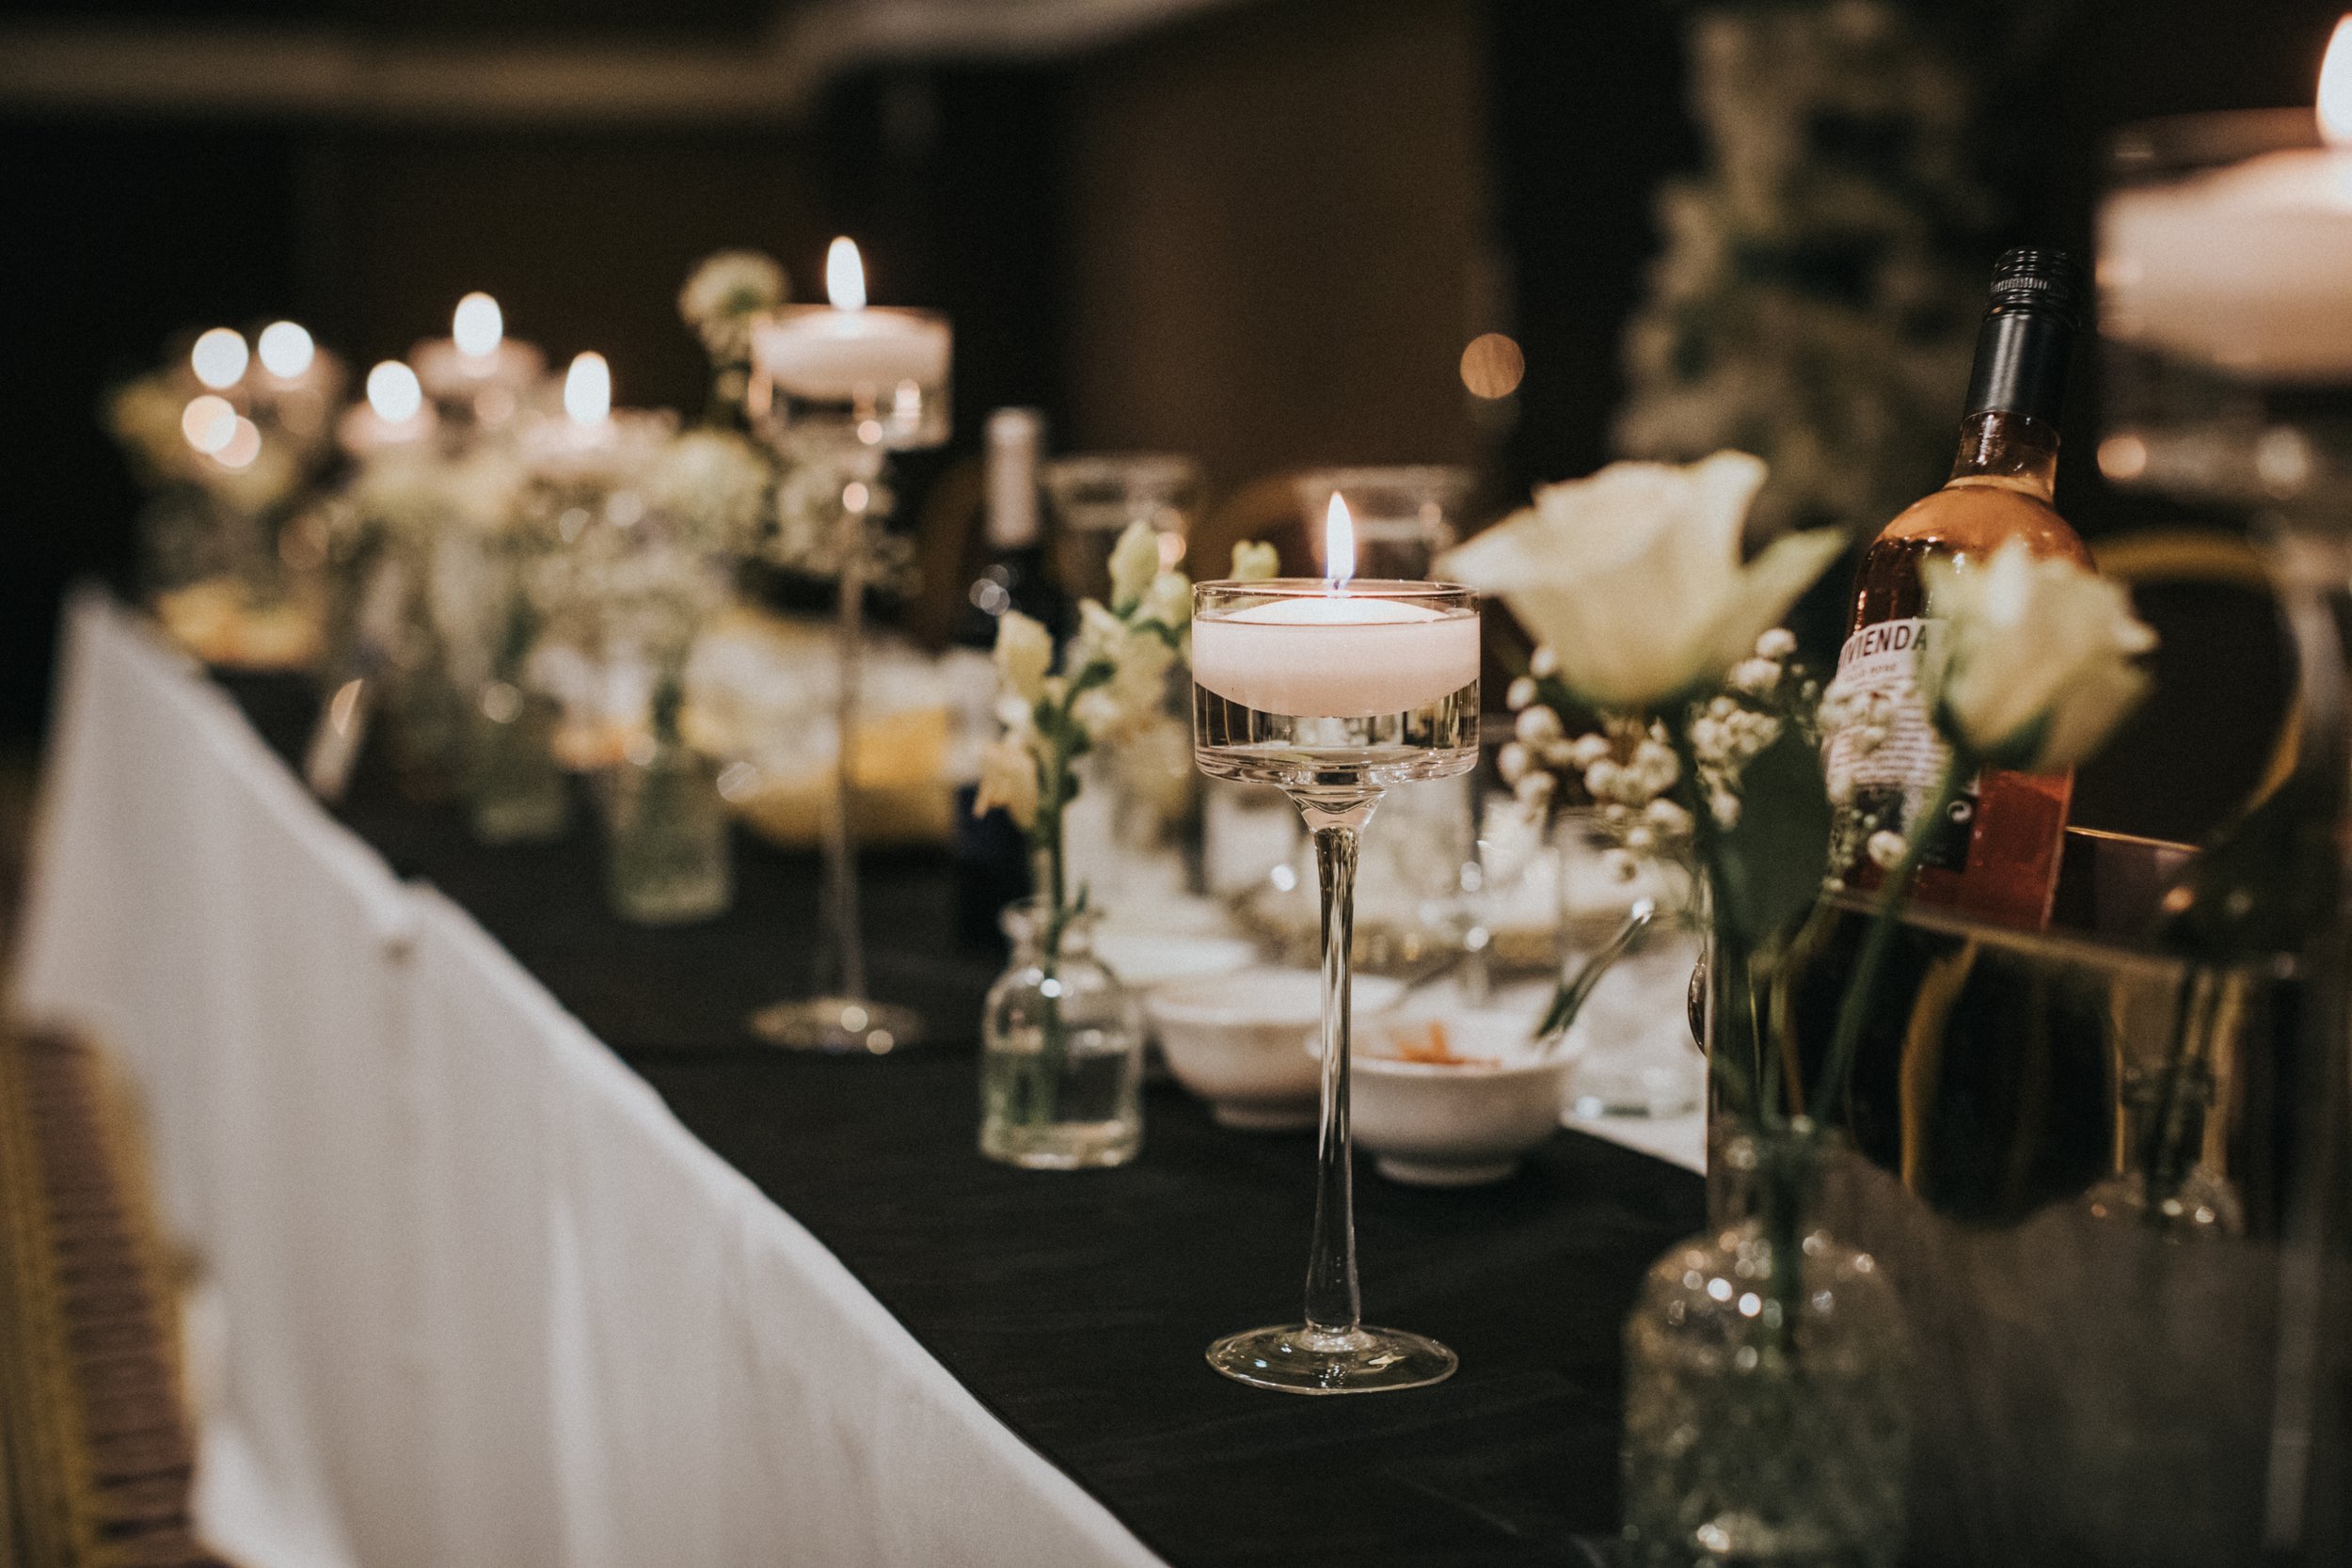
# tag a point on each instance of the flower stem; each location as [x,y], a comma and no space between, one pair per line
[1855,1008]
[1728,979]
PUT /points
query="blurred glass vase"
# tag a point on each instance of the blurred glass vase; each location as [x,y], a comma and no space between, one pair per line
[1764,1416]
[516,791]
[666,832]
[1061,1064]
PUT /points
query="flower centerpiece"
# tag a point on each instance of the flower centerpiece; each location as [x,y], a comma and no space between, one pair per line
[1112,681]
[1763,1416]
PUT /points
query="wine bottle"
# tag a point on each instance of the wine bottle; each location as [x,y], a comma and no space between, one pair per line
[1995,856]
[1015,574]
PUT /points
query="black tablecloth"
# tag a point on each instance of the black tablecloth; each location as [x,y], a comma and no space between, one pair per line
[1077,1305]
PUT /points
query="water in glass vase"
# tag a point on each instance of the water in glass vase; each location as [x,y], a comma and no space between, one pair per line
[1061,1060]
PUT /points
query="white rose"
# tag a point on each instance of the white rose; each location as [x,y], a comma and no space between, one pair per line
[1633,578]
[1254,562]
[2032,667]
[1008,778]
[1167,601]
[1025,651]
[1134,561]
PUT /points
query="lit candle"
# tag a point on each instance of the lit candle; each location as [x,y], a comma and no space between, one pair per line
[588,393]
[393,413]
[848,352]
[219,358]
[1349,652]
[2248,268]
[286,352]
[477,365]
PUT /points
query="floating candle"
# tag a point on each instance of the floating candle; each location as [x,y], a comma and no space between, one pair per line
[847,352]
[1341,656]
[2244,268]
[477,367]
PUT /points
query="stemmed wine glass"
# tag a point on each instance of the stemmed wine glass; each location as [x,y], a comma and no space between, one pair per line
[1332,691]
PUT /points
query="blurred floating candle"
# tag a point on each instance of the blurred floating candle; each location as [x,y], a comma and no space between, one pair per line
[393,414]
[848,352]
[287,351]
[1347,652]
[219,359]
[2248,268]
[477,327]
[588,391]
[208,422]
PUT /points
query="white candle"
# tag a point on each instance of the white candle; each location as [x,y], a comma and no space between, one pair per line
[847,352]
[394,413]
[478,359]
[1340,656]
[2248,268]
[1336,654]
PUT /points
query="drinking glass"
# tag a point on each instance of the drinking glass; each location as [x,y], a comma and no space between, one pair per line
[1399,661]
[1405,516]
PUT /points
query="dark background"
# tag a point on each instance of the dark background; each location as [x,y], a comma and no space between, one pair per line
[1261,233]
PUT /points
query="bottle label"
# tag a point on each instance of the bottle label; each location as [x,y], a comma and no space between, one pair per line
[1884,757]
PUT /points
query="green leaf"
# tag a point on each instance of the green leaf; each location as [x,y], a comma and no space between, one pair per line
[1772,861]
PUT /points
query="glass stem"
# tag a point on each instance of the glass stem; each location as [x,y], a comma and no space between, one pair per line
[840,840]
[1334,1304]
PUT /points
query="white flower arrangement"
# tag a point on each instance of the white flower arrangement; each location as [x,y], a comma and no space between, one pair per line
[722,294]
[1634,577]
[1113,682]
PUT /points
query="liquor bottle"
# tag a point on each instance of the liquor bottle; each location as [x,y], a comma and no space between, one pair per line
[1014,575]
[1996,856]
[990,855]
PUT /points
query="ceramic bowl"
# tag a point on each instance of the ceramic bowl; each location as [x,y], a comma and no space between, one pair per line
[1460,1118]
[1244,1042]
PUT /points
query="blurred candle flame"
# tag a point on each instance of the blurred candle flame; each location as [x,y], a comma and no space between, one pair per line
[208,422]
[286,350]
[478,325]
[2335,88]
[845,276]
[1339,545]
[243,445]
[219,358]
[393,392]
[588,389]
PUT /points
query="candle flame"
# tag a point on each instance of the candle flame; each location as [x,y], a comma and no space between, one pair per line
[286,350]
[478,325]
[2335,88]
[208,422]
[393,392]
[845,276]
[588,389]
[1339,545]
[219,358]
[243,445]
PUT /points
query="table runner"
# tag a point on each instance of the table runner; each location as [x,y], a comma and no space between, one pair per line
[1071,1311]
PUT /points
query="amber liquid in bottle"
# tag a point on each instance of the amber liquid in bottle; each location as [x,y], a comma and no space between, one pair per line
[2015,826]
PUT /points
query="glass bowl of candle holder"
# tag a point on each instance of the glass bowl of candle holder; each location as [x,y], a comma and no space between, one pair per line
[1405,516]
[845,388]
[1096,495]
[1334,693]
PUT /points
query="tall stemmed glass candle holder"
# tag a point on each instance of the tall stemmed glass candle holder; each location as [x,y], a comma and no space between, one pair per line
[845,386]
[1333,690]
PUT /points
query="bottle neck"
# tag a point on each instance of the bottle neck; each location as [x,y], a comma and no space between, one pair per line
[2013,451]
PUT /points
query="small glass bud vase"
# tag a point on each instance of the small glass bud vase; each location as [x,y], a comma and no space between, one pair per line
[667,860]
[1764,1415]
[1061,1059]
[515,789]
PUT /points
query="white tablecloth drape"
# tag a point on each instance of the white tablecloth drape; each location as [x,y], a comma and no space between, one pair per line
[486,1302]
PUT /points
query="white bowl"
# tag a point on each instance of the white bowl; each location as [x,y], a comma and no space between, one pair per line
[1244,1042]
[1455,1124]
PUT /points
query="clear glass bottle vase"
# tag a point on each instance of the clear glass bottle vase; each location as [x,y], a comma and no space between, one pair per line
[667,852]
[1764,1408]
[1062,1058]
[516,791]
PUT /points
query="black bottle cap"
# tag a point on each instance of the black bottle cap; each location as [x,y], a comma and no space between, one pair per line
[2027,336]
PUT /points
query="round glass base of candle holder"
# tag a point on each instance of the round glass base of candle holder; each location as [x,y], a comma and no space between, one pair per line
[842,1025]
[1298,1359]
